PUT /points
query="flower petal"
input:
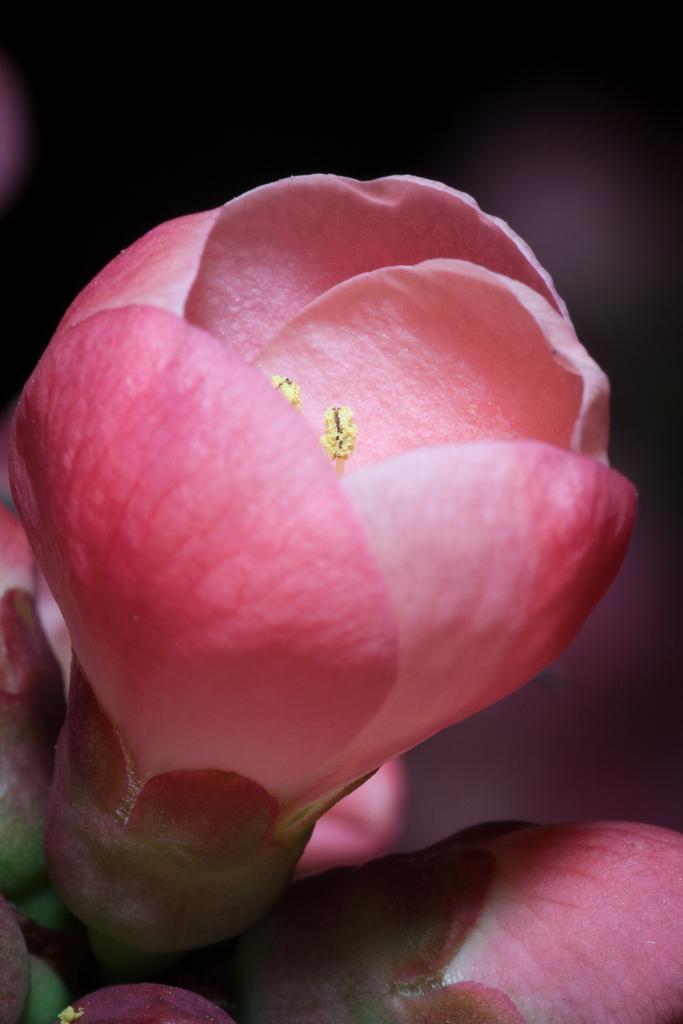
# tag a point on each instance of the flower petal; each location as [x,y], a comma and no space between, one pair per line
[218,588]
[16,559]
[582,924]
[156,270]
[275,249]
[441,352]
[494,554]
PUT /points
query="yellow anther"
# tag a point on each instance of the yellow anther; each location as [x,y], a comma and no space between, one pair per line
[289,388]
[69,1015]
[339,439]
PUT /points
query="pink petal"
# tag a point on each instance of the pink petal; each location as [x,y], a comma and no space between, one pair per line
[582,924]
[275,249]
[441,352]
[494,553]
[156,270]
[569,924]
[52,621]
[219,591]
[16,557]
[364,824]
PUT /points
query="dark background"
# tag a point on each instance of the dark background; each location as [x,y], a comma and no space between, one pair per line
[581,153]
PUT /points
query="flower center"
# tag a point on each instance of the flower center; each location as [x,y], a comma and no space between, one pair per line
[339,438]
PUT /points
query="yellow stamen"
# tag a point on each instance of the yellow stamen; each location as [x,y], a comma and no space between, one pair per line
[339,439]
[289,388]
[69,1015]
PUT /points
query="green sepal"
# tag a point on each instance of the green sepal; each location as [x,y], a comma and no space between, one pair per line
[171,863]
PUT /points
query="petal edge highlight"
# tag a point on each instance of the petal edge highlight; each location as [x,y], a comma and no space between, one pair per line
[275,249]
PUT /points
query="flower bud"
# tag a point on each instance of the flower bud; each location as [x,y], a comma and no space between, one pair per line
[498,925]
[153,1004]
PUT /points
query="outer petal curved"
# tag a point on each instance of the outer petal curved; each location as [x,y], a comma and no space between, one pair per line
[275,249]
[219,591]
[494,554]
[444,351]
[156,270]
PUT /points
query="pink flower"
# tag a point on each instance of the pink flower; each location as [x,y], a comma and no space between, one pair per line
[234,603]
[569,923]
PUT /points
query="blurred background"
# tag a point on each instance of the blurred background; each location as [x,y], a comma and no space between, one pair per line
[582,154]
